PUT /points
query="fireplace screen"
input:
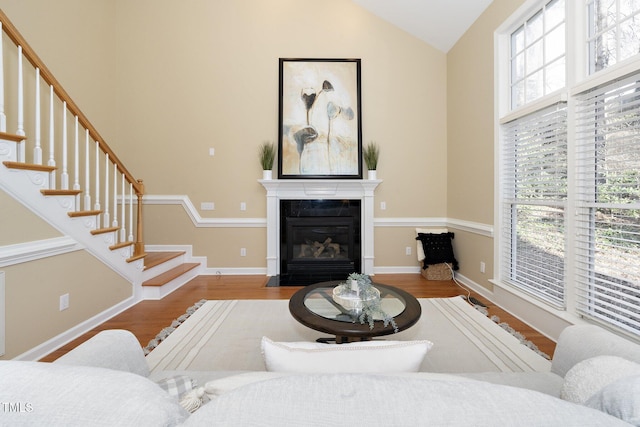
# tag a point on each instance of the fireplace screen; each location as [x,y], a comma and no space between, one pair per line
[320,238]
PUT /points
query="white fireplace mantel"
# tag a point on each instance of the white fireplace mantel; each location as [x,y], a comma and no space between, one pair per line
[306,189]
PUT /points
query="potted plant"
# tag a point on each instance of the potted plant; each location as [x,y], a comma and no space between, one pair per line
[267,155]
[371,154]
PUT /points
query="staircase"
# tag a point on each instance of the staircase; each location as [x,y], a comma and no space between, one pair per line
[71,178]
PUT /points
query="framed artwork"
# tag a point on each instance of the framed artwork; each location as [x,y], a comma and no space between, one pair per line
[320,134]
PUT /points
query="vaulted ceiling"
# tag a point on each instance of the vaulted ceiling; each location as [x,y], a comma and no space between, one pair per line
[439,23]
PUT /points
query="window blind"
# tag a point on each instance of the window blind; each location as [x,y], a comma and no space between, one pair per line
[534,193]
[608,203]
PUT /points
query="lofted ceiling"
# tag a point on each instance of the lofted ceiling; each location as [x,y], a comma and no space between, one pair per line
[439,23]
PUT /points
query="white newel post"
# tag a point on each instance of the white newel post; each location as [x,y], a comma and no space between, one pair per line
[299,189]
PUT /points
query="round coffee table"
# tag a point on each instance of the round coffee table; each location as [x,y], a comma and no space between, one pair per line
[313,306]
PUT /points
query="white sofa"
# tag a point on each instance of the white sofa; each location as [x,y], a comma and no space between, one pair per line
[105,382]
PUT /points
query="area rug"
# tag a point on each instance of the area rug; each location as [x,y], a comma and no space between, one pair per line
[225,335]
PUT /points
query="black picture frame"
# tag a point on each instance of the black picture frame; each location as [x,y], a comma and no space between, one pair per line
[320,119]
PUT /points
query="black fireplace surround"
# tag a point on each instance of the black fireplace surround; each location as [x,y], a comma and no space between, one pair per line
[319,240]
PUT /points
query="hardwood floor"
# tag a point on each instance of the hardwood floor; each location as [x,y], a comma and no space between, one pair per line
[147,318]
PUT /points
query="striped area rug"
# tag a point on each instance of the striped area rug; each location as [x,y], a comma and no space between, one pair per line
[225,335]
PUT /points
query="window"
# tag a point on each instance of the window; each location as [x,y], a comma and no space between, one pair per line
[537,55]
[534,198]
[590,210]
[608,207]
[614,32]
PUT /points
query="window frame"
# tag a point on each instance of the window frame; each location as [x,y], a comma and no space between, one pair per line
[578,80]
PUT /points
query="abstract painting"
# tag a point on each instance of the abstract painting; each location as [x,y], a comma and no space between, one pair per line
[320,134]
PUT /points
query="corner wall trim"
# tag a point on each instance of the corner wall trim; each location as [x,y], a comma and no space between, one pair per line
[31,251]
[195,217]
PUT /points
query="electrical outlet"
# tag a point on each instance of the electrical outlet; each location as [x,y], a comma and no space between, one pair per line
[383,206]
[482,267]
[243,251]
[212,152]
[407,250]
[243,206]
[64,302]
[207,206]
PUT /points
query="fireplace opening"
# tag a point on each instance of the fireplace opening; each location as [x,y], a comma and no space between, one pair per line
[319,240]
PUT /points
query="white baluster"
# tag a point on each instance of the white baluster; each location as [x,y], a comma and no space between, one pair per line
[52,159]
[76,165]
[64,177]
[106,192]
[123,198]
[96,206]
[37,151]
[87,173]
[20,130]
[115,195]
[76,158]
[130,212]
[3,116]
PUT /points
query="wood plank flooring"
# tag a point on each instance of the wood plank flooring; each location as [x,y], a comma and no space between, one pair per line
[147,318]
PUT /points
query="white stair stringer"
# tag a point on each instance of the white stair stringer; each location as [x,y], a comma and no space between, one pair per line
[25,186]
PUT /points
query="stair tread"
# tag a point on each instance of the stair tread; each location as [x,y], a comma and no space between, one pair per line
[61,192]
[156,258]
[104,230]
[12,137]
[29,166]
[76,214]
[121,245]
[167,276]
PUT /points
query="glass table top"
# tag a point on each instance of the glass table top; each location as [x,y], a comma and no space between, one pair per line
[320,301]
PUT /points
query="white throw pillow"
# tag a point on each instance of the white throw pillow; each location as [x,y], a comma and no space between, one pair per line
[620,399]
[357,357]
[591,375]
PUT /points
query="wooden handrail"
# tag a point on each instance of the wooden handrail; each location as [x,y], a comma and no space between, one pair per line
[11,31]
[45,74]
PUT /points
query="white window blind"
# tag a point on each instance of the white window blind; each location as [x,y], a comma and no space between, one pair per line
[608,203]
[534,193]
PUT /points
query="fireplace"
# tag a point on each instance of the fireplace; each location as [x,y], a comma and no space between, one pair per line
[319,240]
[353,190]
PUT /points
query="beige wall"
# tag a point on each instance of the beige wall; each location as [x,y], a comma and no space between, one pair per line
[209,78]
[33,289]
[75,40]
[470,143]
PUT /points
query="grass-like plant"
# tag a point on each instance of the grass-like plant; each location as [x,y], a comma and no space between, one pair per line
[267,155]
[371,154]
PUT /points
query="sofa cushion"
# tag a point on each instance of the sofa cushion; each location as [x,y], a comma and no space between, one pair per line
[46,394]
[357,357]
[379,400]
[113,349]
[620,399]
[580,342]
[589,376]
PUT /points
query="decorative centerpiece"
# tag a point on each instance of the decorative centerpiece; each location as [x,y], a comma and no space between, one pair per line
[362,300]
